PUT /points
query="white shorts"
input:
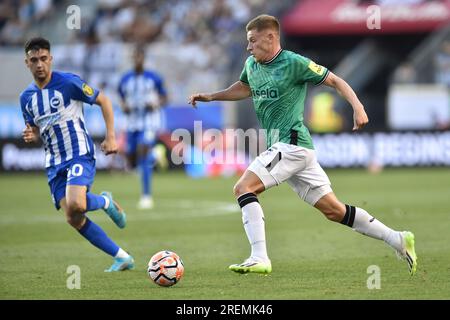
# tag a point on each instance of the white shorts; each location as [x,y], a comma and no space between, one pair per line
[296,165]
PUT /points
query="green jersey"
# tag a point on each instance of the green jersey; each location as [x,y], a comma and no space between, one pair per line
[278,91]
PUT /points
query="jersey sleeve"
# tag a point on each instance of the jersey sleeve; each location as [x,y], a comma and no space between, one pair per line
[27,116]
[243,76]
[308,71]
[81,91]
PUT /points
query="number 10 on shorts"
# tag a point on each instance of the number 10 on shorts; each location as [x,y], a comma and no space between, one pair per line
[75,171]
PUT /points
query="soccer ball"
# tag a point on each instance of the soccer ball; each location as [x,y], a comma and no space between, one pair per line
[165,268]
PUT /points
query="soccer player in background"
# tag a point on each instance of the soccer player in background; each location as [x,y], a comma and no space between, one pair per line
[52,108]
[276,79]
[142,93]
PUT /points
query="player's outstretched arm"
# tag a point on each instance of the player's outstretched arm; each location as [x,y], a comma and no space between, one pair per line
[360,118]
[30,134]
[109,145]
[237,91]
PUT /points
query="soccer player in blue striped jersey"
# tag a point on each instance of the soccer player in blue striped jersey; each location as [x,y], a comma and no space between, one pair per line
[52,107]
[142,93]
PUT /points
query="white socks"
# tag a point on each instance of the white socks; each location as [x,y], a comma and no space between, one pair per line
[253,220]
[106,202]
[356,218]
[121,254]
[365,224]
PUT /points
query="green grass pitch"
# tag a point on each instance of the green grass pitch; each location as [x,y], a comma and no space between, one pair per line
[312,258]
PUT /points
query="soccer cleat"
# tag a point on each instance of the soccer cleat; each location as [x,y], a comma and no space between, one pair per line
[114,211]
[252,266]
[408,252]
[145,203]
[121,264]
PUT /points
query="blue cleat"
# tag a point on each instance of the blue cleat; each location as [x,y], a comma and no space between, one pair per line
[114,211]
[121,264]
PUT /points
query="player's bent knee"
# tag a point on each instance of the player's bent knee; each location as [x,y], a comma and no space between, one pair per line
[75,220]
[76,207]
[239,189]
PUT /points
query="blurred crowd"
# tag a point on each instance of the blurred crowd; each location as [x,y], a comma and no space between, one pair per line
[439,73]
[184,35]
[18,16]
[207,35]
[181,22]
[441,62]
[201,29]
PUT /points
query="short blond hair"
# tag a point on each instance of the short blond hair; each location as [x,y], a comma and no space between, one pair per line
[264,22]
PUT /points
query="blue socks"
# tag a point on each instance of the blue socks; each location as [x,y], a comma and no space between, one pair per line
[94,202]
[146,164]
[95,235]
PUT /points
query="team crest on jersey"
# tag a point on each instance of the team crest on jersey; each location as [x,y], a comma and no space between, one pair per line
[55,102]
[316,68]
[278,74]
[88,90]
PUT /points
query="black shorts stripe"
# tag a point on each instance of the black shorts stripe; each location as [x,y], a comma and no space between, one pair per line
[274,162]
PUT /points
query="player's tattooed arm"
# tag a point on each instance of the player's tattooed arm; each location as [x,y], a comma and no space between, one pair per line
[360,118]
[30,134]
[109,145]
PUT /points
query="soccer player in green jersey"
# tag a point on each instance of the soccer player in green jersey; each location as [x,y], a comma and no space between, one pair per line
[276,80]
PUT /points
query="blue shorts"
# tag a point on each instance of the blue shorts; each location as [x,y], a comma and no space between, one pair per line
[79,171]
[136,138]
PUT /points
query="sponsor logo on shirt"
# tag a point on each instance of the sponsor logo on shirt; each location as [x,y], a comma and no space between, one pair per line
[266,94]
[45,121]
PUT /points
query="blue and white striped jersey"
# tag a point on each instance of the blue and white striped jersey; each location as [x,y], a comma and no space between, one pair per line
[138,90]
[57,110]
